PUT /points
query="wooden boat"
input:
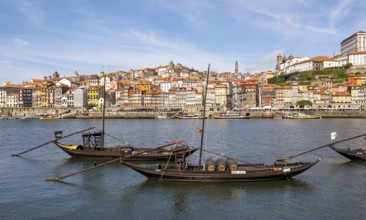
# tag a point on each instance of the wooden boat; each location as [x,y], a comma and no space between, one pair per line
[93,147]
[219,171]
[230,115]
[244,172]
[355,155]
[299,115]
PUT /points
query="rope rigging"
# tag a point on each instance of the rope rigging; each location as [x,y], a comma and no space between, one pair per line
[320,147]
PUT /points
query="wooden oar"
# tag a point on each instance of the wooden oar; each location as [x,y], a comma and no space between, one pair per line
[18,154]
[57,179]
[317,148]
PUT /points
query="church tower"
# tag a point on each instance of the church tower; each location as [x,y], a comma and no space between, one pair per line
[279,62]
[236,67]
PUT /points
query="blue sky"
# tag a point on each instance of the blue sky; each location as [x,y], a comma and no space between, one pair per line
[38,37]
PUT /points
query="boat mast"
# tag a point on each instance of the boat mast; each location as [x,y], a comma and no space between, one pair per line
[103,108]
[204,114]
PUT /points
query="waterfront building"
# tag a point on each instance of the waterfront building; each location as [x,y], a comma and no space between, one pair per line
[221,96]
[94,93]
[135,98]
[210,99]
[5,90]
[44,95]
[80,98]
[59,91]
[358,96]
[268,95]
[233,99]
[250,92]
[119,96]
[151,99]
[12,100]
[25,96]
[3,97]
[166,99]
[341,97]
[283,96]
[306,95]
[68,98]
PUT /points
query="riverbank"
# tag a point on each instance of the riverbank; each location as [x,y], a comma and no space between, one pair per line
[253,115]
[79,113]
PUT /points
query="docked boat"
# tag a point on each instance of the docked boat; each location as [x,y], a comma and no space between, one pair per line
[231,115]
[355,155]
[187,116]
[20,118]
[300,115]
[93,147]
[161,117]
[221,170]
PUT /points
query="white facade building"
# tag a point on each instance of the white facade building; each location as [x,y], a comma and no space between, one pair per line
[354,43]
[357,58]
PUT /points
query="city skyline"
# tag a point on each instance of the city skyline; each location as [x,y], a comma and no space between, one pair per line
[39,37]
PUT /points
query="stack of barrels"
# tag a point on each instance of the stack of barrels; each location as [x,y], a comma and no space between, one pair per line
[210,165]
[221,165]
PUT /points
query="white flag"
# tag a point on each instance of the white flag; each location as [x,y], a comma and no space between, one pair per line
[333,135]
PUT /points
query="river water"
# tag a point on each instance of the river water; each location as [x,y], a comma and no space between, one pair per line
[333,189]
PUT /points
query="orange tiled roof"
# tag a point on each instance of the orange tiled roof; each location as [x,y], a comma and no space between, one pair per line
[321,59]
[346,93]
[358,52]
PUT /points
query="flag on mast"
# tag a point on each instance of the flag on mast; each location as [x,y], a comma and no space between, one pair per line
[199,131]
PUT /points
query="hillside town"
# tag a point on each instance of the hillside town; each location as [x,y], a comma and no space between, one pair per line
[327,83]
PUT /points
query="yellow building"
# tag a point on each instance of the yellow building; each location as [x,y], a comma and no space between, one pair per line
[221,92]
[143,85]
[341,97]
[93,95]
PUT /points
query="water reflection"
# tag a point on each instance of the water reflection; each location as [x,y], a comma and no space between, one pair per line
[116,192]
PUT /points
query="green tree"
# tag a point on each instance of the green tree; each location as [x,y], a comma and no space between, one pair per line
[303,103]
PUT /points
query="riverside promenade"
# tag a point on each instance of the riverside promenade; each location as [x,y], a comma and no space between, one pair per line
[79,113]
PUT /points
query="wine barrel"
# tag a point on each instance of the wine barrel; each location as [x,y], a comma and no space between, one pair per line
[210,165]
[232,164]
[220,165]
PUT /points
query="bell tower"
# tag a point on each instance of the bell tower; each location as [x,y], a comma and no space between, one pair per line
[279,62]
[236,67]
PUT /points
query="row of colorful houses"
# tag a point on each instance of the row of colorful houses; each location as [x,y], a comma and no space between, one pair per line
[168,92]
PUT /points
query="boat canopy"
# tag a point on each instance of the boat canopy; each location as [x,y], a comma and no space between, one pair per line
[93,140]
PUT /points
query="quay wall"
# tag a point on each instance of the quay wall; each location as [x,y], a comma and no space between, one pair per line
[79,113]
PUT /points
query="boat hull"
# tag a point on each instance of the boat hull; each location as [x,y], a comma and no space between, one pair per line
[301,116]
[354,155]
[138,154]
[246,173]
[231,117]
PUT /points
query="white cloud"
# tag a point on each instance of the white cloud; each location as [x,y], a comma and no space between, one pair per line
[340,11]
[20,42]
[32,10]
